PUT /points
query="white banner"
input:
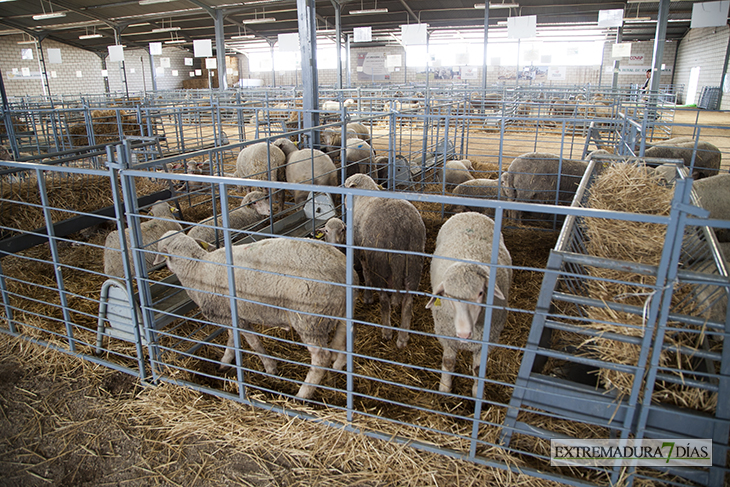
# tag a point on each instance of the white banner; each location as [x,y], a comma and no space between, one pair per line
[629,453]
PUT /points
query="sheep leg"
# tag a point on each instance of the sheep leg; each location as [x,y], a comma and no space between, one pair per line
[475,359]
[385,315]
[256,346]
[448,365]
[320,362]
[406,313]
[339,342]
[367,293]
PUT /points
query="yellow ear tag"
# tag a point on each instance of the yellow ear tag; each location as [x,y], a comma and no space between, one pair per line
[437,302]
[204,245]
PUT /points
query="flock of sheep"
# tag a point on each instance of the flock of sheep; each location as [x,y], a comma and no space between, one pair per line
[301,283]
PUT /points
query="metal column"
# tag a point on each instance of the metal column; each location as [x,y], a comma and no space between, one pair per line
[220,49]
[484,56]
[308,42]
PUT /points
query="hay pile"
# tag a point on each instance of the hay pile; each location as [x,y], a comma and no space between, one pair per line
[105,127]
[631,188]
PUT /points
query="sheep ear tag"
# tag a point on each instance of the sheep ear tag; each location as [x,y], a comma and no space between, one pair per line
[319,234]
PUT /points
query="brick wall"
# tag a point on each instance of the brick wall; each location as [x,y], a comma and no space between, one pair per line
[65,80]
[642,54]
[139,72]
[704,48]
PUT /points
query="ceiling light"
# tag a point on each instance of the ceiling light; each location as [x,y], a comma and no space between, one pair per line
[503,5]
[33,41]
[369,11]
[90,36]
[479,5]
[176,41]
[638,19]
[243,36]
[260,20]
[50,15]
[165,29]
[152,2]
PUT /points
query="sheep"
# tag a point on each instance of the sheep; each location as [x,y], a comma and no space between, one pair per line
[478,188]
[314,304]
[334,231]
[310,166]
[457,172]
[5,154]
[287,147]
[714,195]
[359,156]
[152,230]
[533,178]
[262,161]
[334,106]
[360,131]
[395,225]
[254,206]
[468,237]
[332,138]
[707,160]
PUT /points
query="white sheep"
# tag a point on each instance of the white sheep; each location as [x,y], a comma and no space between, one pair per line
[533,178]
[714,195]
[152,231]
[299,275]
[395,225]
[707,156]
[254,207]
[310,166]
[478,188]
[287,146]
[334,231]
[457,172]
[334,106]
[263,162]
[359,156]
[460,289]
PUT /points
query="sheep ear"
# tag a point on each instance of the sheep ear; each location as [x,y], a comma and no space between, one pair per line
[434,300]
[159,259]
[498,293]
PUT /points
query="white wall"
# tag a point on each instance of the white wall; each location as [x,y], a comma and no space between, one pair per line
[704,48]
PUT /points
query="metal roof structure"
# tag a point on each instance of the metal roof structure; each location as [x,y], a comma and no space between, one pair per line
[95,24]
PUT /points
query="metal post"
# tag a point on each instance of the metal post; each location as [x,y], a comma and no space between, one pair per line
[123,71]
[273,69]
[220,49]
[42,58]
[484,56]
[657,56]
[724,72]
[616,62]
[349,66]
[338,30]
[308,42]
[152,69]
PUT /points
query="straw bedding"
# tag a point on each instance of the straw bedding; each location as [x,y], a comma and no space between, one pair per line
[630,188]
[170,435]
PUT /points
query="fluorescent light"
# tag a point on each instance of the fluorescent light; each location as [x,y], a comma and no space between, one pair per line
[479,5]
[243,36]
[165,29]
[638,19]
[90,36]
[369,11]
[503,5]
[27,42]
[176,41]
[261,2]
[50,15]
[260,20]
[152,2]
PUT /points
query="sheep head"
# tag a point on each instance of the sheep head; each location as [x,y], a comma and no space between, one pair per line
[466,286]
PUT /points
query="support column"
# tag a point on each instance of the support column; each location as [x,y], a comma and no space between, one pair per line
[310,83]
[484,56]
[220,49]
[659,39]
[338,46]
[153,71]
[273,68]
[42,58]
[616,62]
